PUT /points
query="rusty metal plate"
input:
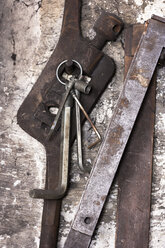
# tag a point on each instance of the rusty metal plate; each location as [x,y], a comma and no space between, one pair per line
[34,115]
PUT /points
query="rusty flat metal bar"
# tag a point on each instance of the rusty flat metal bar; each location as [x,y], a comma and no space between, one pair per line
[135,171]
[117,134]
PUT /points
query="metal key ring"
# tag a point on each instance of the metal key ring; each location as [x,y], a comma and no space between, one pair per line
[63,62]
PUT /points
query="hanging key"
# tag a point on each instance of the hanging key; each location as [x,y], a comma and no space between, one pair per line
[80,86]
[68,89]
[65,111]
[73,89]
[83,87]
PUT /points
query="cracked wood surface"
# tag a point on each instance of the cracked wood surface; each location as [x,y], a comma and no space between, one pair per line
[29,33]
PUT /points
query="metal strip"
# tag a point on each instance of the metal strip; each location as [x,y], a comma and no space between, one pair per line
[119,130]
[135,171]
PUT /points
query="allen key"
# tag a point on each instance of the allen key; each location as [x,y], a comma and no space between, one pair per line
[65,110]
[88,118]
[60,191]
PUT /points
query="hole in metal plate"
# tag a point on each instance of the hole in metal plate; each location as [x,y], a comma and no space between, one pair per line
[87,220]
[53,110]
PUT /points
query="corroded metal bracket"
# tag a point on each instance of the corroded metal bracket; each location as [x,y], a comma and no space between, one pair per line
[106,164]
[34,115]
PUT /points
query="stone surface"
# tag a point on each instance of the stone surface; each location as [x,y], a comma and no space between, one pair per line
[29,33]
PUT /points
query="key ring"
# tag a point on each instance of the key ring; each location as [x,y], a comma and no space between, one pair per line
[63,62]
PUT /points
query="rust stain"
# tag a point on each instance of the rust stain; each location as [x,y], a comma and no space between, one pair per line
[116,134]
[96,203]
[103,198]
[142,80]
[137,75]
[115,138]
[124,102]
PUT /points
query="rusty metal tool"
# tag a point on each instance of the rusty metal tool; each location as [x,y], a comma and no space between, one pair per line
[79,86]
[35,116]
[65,144]
[84,87]
[135,172]
[106,164]
[60,191]
[54,124]
[69,87]
[65,111]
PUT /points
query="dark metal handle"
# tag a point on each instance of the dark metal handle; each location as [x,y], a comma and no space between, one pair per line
[50,223]
[71,19]
[107,27]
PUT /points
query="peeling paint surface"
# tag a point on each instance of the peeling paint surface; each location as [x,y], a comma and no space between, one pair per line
[29,32]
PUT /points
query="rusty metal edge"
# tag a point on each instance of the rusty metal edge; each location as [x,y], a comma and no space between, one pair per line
[134,194]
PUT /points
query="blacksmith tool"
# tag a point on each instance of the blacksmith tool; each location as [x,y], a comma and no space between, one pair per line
[35,115]
[134,176]
[106,164]
[65,110]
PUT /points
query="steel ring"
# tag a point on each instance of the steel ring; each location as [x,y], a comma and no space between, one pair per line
[63,62]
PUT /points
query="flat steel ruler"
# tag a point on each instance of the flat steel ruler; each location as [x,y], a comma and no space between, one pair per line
[106,164]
